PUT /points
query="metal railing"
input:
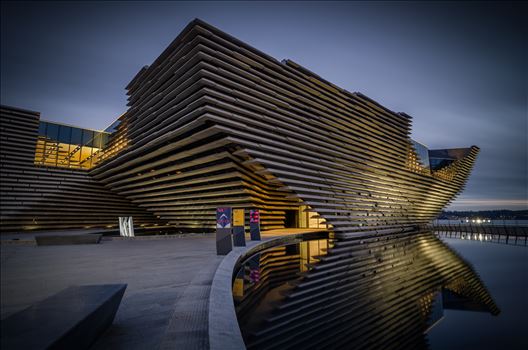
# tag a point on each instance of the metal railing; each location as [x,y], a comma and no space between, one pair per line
[507,234]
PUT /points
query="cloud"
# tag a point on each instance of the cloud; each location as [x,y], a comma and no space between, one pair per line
[490,203]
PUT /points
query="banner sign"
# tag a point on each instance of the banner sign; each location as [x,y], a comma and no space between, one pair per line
[254,216]
[238,288]
[254,275]
[238,217]
[254,224]
[223,217]
[254,269]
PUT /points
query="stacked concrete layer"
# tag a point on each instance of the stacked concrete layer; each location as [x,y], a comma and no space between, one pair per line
[371,292]
[35,197]
[213,122]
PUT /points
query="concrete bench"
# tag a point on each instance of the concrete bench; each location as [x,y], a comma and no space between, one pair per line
[88,238]
[71,319]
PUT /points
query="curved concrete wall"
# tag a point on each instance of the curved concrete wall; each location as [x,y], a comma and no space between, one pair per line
[374,291]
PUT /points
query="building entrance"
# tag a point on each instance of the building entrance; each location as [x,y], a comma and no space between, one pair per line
[291,219]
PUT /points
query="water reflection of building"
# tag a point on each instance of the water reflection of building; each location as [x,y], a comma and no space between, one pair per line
[215,122]
[379,291]
[279,269]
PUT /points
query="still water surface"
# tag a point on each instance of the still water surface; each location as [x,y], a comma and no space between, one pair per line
[398,291]
[504,271]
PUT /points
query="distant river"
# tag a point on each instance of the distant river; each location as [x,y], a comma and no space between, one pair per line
[492,222]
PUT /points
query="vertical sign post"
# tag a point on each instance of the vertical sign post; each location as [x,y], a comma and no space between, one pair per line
[223,231]
[254,224]
[239,233]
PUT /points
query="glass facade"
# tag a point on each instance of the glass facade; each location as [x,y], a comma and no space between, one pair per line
[444,157]
[68,146]
[439,163]
[423,154]
[114,126]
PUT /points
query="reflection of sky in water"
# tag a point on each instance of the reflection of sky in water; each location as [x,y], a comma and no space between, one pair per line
[504,270]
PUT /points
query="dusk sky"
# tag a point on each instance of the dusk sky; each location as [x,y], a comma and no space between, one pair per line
[459,69]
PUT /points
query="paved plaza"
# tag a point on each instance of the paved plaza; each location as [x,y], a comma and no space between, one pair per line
[165,304]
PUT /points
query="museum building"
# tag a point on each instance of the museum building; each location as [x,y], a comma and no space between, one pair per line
[213,122]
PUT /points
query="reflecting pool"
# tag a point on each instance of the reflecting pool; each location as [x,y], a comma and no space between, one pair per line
[504,270]
[395,290]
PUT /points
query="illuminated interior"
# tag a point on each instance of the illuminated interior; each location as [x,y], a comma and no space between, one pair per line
[308,218]
[310,251]
[118,139]
[67,146]
[418,158]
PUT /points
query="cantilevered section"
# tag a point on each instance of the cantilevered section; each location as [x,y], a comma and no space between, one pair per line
[214,122]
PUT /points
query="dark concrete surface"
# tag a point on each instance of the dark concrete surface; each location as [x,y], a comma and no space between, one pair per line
[164,306]
[74,318]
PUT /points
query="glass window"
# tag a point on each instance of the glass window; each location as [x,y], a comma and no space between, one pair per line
[76,136]
[88,138]
[423,154]
[42,128]
[86,153]
[63,151]
[113,127]
[50,154]
[75,157]
[105,137]
[52,131]
[98,140]
[439,163]
[64,134]
[66,146]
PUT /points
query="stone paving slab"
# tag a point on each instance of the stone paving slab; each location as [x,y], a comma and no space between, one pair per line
[188,327]
[164,306]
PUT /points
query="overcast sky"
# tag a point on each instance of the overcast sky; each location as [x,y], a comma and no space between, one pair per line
[458,68]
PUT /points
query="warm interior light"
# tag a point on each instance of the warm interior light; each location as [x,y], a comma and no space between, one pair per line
[71,147]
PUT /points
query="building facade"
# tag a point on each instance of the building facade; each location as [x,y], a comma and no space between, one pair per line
[214,122]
